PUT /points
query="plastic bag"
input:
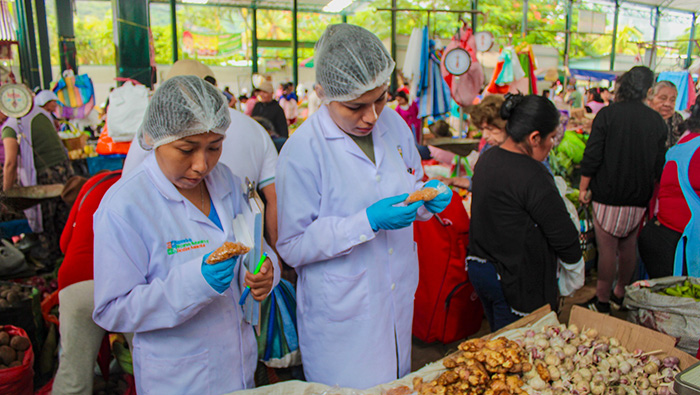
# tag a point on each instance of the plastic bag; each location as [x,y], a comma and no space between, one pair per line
[107,146]
[572,276]
[675,316]
[18,380]
[127,108]
[278,344]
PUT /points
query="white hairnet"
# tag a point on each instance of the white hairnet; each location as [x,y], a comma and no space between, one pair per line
[183,106]
[350,61]
[44,97]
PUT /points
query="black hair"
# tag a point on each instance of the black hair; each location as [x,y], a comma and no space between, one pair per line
[693,122]
[526,114]
[267,125]
[596,94]
[546,91]
[634,84]
[401,94]
[440,128]
[210,80]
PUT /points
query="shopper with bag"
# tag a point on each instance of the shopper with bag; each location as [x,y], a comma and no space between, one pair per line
[342,179]
[80,336]
[623,159]
[519,224]
[154,231]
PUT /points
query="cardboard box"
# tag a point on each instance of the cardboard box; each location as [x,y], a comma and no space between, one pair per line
[630,335]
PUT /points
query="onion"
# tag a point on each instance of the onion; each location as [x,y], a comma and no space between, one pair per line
[671,362]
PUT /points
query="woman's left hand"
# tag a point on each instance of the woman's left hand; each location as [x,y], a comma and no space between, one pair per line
[261,284]
[441,201]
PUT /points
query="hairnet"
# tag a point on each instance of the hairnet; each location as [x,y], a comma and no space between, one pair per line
[44,97]
[350,61]
[183,106]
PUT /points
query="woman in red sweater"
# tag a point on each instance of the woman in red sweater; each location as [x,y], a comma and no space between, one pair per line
[659,237]
[80,336]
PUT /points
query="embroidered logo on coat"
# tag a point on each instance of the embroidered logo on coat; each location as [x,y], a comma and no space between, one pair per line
[175,246]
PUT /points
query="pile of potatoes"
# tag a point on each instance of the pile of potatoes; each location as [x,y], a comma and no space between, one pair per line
[12,294]
[12,349]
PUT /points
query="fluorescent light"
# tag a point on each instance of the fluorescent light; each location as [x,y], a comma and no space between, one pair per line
[195,1]
[337,5]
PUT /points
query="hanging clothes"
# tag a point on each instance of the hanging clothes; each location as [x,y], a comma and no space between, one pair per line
[433,92]
[76,95]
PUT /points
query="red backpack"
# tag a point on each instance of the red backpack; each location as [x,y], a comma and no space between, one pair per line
[446,307]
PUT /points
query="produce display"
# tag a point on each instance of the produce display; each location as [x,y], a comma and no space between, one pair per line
[12,349]
[569,362]
[45,285]
[12,294]
[685,290]
[480,367]
[555,360]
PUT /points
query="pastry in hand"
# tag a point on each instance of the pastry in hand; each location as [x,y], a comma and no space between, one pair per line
[227,251]
[424,194]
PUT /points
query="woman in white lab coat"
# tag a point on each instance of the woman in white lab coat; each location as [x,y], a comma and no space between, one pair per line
[341,181]
[153,231]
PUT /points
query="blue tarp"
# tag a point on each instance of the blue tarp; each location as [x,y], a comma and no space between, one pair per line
[593,74]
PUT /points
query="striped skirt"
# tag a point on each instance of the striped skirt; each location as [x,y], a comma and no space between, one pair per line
[619,221]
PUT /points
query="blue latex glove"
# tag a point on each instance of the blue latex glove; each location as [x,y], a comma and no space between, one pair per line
[441,201]
[219,275]
[384,215]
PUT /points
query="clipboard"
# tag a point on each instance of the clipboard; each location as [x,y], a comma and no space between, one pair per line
[248,228]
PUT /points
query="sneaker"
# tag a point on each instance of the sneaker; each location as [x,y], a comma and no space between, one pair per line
[617,302]
[596,305]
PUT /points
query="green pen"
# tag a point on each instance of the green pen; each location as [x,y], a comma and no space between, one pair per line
[246,291]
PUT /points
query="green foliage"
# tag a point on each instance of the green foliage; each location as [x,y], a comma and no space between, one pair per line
[546,24]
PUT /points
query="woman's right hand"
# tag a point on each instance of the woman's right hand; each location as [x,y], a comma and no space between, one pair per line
[584,196]
[219,275]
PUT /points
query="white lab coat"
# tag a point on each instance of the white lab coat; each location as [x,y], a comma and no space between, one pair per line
[356,287]
[149,244]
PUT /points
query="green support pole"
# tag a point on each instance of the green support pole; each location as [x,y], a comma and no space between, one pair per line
[524,26]
[567,37]
[173,28]
[66,35]
[344,18]
[295,45]
[132,40]
[691,43]
[22,44]
[657,22]
[31,61]
[394,81]
[254,40]
[475,7]
[43,30]
[614,35]
[567,41]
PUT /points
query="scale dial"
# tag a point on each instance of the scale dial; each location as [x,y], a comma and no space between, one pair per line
[484,41]
[15,100]
[457,61]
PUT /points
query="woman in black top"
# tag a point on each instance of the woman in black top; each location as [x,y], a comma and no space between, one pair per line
[519,222]
[624,157]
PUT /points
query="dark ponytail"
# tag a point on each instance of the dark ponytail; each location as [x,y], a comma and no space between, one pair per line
[526,114]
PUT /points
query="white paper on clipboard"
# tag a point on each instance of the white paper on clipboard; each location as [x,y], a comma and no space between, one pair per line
[248,229]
